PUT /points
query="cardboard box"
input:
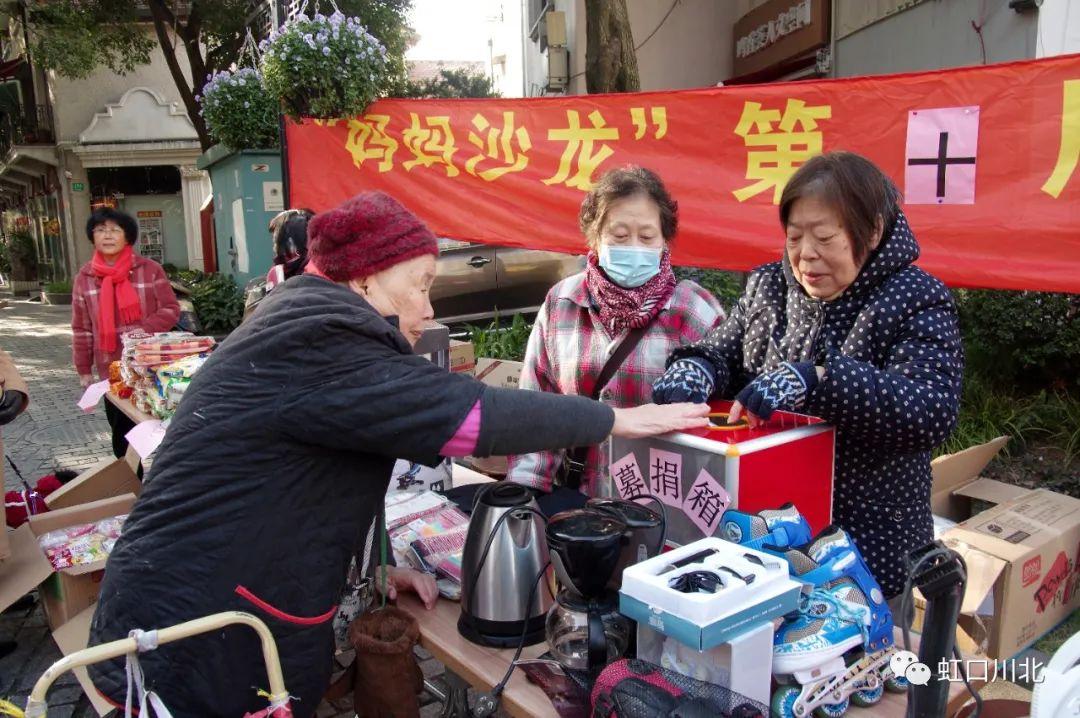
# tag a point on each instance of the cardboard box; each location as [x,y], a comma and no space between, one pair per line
[104,480]
[706,620]
[74,636]
[63,593]
[504,374]
[743,664]
[462,357]
[958,493]
[787,459]
[1023,570]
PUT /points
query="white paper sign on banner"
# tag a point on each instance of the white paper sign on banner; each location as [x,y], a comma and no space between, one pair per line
[146,437]
[92,395]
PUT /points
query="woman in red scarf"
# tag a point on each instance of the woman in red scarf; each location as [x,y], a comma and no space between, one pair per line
[629,221]
[115,292]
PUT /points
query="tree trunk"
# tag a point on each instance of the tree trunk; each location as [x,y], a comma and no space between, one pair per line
[161,26]
[610,59]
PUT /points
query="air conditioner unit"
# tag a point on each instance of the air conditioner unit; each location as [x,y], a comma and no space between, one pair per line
[555,23]
[558,69]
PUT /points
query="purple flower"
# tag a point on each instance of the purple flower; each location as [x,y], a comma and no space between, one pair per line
[326,51]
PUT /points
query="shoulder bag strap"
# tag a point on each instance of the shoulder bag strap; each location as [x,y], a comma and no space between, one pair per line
[574,460]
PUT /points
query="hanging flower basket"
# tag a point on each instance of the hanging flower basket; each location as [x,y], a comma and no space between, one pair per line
[323,67]
[238,111]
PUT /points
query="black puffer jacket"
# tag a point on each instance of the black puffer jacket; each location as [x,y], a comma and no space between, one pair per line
[893,363]
[269,477]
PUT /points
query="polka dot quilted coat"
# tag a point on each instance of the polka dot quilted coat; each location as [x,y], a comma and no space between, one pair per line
[893,363]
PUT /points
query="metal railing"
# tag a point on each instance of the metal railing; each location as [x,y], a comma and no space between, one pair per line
[27,126]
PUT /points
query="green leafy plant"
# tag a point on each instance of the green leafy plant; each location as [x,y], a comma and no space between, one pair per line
[727,287]
[502,342]
[62,287]
[238,111]
[1026,340]
[218,301]
[324,67]
[451,84]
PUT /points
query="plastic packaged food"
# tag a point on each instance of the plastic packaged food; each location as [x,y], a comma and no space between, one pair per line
[82,544]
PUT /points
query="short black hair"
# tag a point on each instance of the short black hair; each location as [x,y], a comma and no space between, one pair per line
[290,233]
[108,214]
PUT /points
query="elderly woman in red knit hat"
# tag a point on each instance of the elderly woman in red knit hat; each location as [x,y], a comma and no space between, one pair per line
[277,462]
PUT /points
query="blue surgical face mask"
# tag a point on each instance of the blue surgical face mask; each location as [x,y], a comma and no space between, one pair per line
[629,267]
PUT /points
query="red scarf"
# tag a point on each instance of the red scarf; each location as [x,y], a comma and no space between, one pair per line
[621,308]
[117,296]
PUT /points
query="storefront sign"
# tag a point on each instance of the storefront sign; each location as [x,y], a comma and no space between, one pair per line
[78,187]
[992,192]
[778,31]
[151,235]
[794,18]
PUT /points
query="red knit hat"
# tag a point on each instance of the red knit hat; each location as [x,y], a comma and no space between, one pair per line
[365,235]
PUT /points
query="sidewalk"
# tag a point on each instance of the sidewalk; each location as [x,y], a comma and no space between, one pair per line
[53,433]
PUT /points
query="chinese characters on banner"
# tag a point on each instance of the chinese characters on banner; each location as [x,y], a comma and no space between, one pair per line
[976,172]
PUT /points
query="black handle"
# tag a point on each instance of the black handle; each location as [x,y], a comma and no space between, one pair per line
[478,262]
[597,642]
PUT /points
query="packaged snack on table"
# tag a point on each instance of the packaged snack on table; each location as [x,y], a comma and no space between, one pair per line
[404,508]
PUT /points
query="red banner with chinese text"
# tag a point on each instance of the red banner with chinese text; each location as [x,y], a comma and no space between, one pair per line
[987,158]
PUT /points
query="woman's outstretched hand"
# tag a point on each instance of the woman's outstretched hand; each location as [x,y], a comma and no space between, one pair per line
[653,419]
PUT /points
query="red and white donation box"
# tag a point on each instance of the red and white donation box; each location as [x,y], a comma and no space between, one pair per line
[699,474]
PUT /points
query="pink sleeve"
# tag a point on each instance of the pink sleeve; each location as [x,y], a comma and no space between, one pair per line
[463,442]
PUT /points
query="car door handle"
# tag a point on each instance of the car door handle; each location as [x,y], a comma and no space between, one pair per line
[478,262]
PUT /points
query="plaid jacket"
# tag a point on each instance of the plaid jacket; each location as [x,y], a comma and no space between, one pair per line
[569,347]
[160,311]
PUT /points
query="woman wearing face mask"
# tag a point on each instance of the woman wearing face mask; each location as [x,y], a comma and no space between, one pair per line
[628,292]
[278,458]
[847,328]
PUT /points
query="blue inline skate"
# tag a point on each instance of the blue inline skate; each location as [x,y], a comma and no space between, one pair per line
[772,531]
[835,650]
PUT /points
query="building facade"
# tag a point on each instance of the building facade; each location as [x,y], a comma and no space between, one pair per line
[69,146]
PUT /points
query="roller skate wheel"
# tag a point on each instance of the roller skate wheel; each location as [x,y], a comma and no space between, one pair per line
[897,684]
[783,702]
[869,696]
[832,710]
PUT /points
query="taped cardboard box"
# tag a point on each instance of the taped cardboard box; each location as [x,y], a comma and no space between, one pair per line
[503,374]
[66,592]
[1024,576]
[462,357]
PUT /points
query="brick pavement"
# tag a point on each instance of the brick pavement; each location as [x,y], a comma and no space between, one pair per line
[54,433]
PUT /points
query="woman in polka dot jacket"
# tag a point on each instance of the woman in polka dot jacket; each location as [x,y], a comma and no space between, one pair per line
[845,327]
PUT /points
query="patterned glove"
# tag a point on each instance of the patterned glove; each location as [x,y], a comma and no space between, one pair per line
[690,380]
[785,387]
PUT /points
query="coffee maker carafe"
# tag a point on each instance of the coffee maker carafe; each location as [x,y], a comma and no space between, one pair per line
[585,630]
